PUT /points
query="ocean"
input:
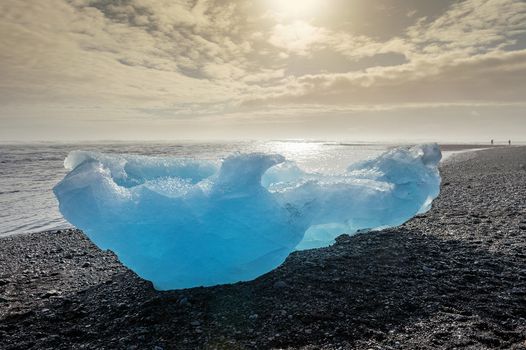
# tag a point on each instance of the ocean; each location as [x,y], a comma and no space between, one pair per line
[28,172]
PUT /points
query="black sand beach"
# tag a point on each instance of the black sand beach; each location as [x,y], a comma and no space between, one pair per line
[452,278]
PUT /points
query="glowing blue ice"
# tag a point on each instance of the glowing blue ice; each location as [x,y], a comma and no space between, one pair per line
[183,223]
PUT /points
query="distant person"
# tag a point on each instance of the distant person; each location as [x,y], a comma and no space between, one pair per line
[509,142]
[492,142]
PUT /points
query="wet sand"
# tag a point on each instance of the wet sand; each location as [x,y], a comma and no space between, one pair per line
[454,277]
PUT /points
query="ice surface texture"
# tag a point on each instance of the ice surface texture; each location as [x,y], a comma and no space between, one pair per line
[183,223]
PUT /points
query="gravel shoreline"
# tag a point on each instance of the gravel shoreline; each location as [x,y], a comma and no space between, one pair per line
[454,277]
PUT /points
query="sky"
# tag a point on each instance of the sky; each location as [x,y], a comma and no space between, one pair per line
[353,70]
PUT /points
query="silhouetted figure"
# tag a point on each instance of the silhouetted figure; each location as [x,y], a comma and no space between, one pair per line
[509,142]
[492,142]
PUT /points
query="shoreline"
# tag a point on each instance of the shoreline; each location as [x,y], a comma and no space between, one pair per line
[452,277]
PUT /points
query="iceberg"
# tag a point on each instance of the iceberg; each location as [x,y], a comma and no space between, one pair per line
[183,223]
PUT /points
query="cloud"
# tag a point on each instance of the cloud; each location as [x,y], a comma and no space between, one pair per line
[458,56]
[495,76]
[472,25]
[185,59]
[297,37]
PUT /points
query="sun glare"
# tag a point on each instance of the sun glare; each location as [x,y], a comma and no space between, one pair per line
[296,8]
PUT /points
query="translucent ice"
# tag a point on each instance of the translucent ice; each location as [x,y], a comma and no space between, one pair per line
[183,223]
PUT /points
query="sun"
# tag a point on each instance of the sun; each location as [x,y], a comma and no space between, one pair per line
[296,8]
